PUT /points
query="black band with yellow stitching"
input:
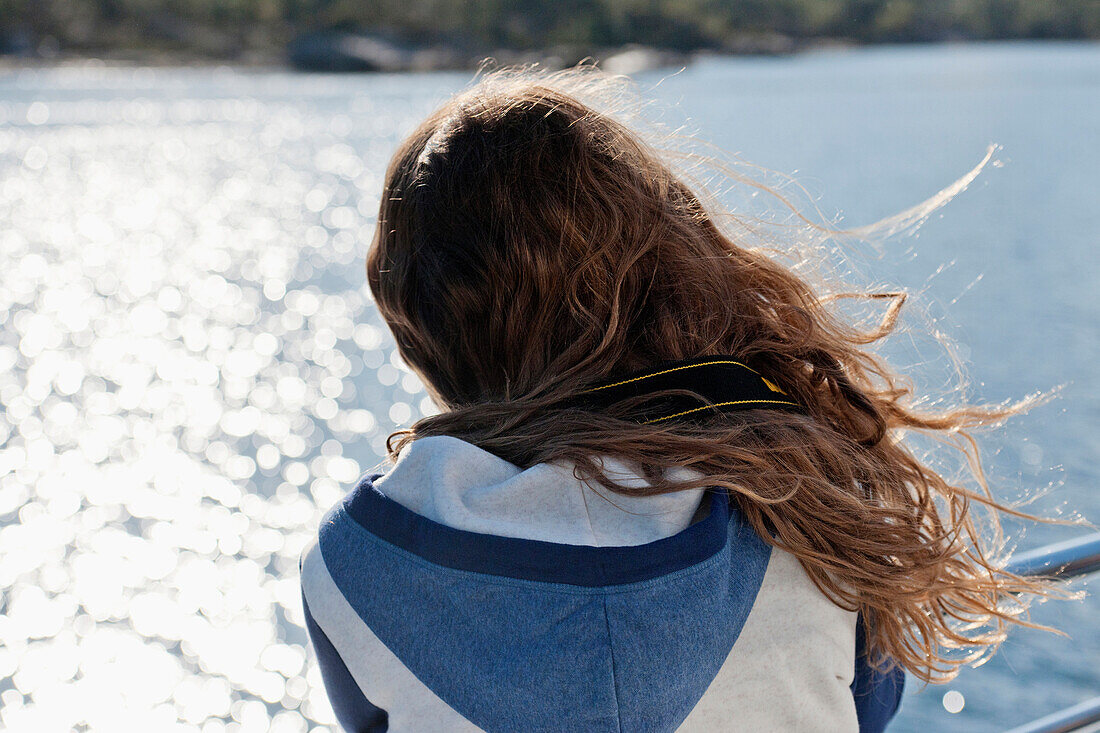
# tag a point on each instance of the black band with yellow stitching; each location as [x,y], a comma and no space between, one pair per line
[726,382]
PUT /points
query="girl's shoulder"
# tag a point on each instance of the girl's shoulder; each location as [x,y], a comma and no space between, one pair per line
[686,628]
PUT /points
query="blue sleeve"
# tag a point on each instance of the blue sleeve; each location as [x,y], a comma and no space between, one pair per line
[877,694]
[354,711]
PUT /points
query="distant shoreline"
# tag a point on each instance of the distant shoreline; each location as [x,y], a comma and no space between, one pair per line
[411,58]
[417,35]
[630,58]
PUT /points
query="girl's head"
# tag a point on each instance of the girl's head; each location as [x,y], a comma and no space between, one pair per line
[526,240]
[529,245]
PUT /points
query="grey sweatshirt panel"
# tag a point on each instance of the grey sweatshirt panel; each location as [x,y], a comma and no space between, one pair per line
[458,484]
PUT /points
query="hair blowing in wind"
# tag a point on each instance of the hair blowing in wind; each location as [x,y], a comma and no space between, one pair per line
[529,245]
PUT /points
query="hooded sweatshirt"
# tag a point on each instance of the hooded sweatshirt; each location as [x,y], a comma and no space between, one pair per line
[459,592]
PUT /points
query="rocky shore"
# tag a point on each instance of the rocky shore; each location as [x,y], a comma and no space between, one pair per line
[342,51]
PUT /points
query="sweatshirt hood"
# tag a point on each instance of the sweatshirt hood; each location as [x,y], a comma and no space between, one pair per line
[455,483]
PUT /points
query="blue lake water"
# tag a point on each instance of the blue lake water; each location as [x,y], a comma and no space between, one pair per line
[191,369]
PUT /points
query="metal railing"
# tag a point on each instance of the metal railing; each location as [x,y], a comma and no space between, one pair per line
[1064,721]
[1069,559]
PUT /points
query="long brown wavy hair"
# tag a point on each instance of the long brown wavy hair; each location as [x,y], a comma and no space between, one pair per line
[529,244]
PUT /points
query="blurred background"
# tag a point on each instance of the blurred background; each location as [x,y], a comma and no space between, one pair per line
[192,371]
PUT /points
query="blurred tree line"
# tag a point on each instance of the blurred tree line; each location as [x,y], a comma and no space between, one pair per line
[226,28]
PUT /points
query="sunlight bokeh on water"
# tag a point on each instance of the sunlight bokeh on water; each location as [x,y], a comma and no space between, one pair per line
[182,366]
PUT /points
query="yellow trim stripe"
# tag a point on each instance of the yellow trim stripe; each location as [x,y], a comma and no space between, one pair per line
[720,404]
[772,386]
[666,371]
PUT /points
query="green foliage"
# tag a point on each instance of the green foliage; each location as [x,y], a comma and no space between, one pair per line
[522,24]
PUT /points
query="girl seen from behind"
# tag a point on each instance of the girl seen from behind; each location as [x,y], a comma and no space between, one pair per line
[668,488]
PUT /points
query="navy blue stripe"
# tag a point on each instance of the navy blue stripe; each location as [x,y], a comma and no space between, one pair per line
[877,694]
[533,559]
[354,711]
